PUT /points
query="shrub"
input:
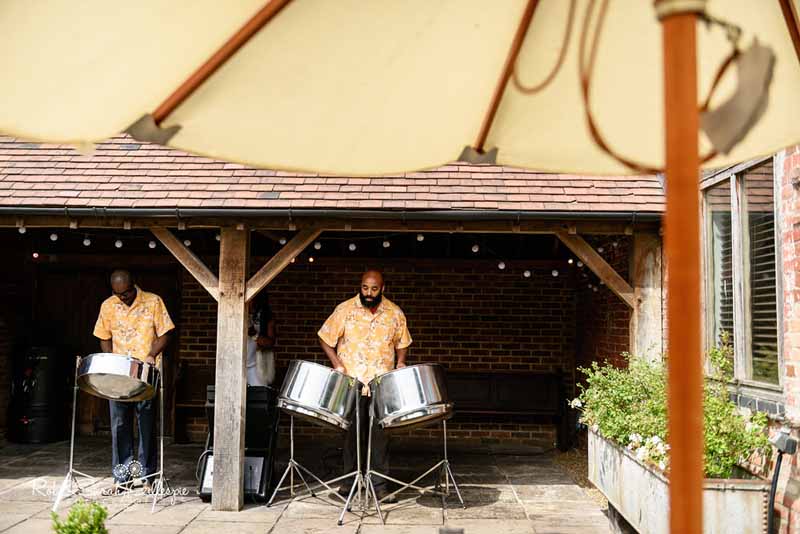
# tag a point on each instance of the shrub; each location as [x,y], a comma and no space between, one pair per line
[629,406]
[83,518]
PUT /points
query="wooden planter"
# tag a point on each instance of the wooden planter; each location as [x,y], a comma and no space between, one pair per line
[640,493]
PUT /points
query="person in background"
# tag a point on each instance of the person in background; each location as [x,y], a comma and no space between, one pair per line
[260,342]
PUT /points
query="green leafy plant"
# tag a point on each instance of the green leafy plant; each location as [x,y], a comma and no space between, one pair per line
[83,518]
[629,406]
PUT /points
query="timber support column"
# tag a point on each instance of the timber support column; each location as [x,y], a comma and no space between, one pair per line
[647,321]
[231,384]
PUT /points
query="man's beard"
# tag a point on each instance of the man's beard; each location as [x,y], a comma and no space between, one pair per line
[372,302]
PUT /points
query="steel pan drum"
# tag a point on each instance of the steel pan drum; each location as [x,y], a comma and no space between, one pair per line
[117,377]
[319,394]
[411,396]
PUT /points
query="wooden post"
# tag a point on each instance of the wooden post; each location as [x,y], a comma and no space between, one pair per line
[647,321]
[229,406]
[682,239]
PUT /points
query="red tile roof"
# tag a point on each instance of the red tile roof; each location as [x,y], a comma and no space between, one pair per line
[129,174]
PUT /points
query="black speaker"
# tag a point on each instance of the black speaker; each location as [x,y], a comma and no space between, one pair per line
[260,438]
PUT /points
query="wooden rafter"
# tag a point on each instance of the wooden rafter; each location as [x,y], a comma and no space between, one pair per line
[599,266]
[279,261]
[189,260]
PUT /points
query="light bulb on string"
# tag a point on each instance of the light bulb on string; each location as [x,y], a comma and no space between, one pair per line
[22,229]
[351,246]
[386,244]
[87,241]
[35,255]
[118,243]
[554,272]
[594,289]
[152,244]
[580,264]
[187,242]
[614,244]
[311,259]
[217,237]
[282,241]
[526,274]
[420,237]
[475,248]
[54,237]
[501,265]
[601,250]
[317,245]
[570,261]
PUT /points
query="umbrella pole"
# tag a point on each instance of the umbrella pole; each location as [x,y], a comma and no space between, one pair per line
[682,239]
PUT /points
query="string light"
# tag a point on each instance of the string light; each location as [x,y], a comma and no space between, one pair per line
[152,244]
[580,264]
[475,248]
[570,261]
[317,245]
[554,272]
[87,241]
[601,250]
[352,247]
[217,237]
[501,265]
[22,229]
[292,260]
[311,259]
[282,241]
[187,242]
[614,244]
[526,274]
[386,244]
[420,237]
[118,243]
[590,286]
[53,237]
[35,255]
[594,289]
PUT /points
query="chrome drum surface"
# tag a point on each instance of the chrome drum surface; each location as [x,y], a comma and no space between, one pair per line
[319,394]
[117,377]
[411,396]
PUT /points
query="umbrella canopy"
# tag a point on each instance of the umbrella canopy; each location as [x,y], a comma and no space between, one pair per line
[374,87]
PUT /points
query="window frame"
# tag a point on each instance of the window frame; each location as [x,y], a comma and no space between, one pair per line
[734,178]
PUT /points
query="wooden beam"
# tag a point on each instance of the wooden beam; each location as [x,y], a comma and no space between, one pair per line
[502,225]
[189,260]
[279,261]
[599,266]
[647,321]
[230,378]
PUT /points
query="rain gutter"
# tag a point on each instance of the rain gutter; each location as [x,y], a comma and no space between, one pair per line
[438,215]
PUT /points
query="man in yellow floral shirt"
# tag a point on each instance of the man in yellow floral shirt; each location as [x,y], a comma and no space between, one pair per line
[362,338]
[134,323]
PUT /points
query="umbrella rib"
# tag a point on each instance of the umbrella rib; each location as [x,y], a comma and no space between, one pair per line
[219,58]
[505,75]
[792,23]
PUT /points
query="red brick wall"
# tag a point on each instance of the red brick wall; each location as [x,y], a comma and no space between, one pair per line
[466,315]
[603,318]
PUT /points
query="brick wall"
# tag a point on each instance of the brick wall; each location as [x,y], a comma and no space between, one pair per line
[466,315]
[603,318]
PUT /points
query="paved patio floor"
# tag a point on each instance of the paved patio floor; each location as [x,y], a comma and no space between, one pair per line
[504,494]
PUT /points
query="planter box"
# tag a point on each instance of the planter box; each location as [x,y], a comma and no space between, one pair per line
[640,493]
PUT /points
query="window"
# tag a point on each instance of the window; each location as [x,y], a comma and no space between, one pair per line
[741,274]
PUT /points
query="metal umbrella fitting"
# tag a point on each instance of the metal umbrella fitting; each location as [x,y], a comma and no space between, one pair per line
[584,86]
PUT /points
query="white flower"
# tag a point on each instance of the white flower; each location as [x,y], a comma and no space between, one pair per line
[654,440]
[662,465]
[575,403]
[641,454]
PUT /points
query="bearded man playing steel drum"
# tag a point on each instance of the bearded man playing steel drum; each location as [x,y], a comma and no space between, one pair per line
[134,323]
[362,338]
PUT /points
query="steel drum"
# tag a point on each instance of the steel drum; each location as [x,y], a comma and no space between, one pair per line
[117,377]
[319,394]
[411,396]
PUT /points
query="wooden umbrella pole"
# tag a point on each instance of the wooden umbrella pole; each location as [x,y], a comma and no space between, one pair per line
[682,237]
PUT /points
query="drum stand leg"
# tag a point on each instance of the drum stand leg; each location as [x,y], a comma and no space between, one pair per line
[359,486]
[444,471]
[160,486]
[71,479]
[291,468]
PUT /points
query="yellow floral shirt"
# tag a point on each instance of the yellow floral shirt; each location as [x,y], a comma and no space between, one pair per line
[366,341]
[133,329]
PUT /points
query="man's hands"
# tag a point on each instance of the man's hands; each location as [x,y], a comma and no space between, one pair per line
[150,359]
[400,365]
[341,369]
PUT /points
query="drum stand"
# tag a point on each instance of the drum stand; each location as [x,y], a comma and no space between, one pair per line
[160,486]
[71,480]
[444,472]
[294,466]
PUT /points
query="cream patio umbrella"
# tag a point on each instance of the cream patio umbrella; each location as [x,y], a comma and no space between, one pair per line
[358,88]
